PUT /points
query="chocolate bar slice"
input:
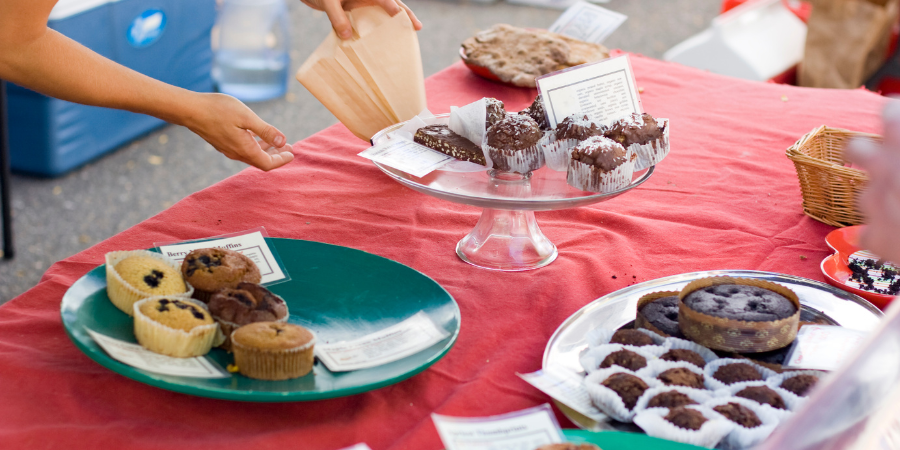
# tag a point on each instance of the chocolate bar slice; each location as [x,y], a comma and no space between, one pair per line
[442,139]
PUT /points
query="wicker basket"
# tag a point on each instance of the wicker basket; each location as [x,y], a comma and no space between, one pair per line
[829,188]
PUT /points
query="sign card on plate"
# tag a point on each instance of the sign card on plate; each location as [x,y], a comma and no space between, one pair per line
[252,245]
[587,22]
[605,90]
[138,357]
[522,430]
[823,347]
[566,387]
[407,156]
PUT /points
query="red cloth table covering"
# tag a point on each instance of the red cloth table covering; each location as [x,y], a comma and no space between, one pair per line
[725,198]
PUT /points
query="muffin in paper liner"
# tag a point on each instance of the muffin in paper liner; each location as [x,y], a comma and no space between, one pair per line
[672,343]
[517,161]
[588,178]
[606,399]
[557,153]
[658,366]
[228,327]
[711,368]
[700,396]
[640,321]
[791,401]
[601,336]
[274,364]
[122,294]
[776,380]
[740,436]
[719,333]
[653,422]
[592,358]
[165,340]
[651,153]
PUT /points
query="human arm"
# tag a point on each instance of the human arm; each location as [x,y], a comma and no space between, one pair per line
[39,58]
[335,9]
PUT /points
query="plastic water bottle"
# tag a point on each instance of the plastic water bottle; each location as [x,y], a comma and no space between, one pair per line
[250,41]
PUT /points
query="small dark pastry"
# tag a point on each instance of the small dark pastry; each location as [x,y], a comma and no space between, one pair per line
[635,129]
[736,373]
[211,269]
[800,384]
[536,112]
[740,302]
[600,153]
[444,140]
[679,376]
[513,143]
[568,446]
[762,394]
[633,337]
[624,358]
[739,414]
[579,127]
[663,314]
[245,304]
[680,354]
[687,418]
[629,387]
[495,111]
[670,399]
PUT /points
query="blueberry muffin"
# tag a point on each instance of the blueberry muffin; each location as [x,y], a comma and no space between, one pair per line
[174,326]
[211,269]
[273,350]
[132,276]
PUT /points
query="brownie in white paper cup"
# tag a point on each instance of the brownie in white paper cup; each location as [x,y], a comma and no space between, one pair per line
[601,165]
[615,391]
[646,136]
[753,423]
[603,336]
[677,350]
[718,376]
[677,424]
[513,144]
[568,133]
[798,382]
[779,401]
[609,355]
[674,373]
[671,397]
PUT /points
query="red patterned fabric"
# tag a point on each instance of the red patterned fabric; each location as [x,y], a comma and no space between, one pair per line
[725,198]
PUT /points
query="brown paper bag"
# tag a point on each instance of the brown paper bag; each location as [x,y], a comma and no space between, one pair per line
[373,80]
[846,42]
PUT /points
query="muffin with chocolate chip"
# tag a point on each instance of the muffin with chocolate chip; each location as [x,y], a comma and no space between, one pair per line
[763,395]
[211,269]
[687,418]
[627,386]
[800,384]
[132,276]
[512,144]
[737,372]
[175,326]
[624,358]
[739,414]
[680,376]
[628,336]
[244,304]
[600,165]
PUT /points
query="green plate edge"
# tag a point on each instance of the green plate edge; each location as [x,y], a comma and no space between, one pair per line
[95,280]
[620,440]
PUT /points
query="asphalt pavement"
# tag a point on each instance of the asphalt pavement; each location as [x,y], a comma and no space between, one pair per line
[54,218]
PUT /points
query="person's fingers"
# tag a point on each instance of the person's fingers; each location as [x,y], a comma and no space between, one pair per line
[339,20]
[417,25]
[862,151]
[267,133]
[390,6]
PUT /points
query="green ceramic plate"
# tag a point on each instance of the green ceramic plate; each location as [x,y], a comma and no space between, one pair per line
[618,440]
[338,292]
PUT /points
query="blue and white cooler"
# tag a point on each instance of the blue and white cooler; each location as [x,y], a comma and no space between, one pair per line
[165,39]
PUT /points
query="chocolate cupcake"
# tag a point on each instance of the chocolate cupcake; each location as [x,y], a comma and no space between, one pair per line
[635,129]
[763,395]
[600,165]
[578,127]
[659,314]
[680,376]
[536,112]
[678,354]
[512,144]
[687,418]
[737,373]
[211,269]
[628,387]
[799,384]
[670,399]
[632,337]
[624,358]
[246,303]
[739,414]
[494,111]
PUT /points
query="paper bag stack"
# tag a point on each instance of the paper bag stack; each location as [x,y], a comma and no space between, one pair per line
[373,80]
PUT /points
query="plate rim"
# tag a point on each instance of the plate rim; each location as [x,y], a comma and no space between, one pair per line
[99,356]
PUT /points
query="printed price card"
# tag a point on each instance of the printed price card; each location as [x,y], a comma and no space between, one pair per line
[522,430]
[138,357]
[823,347]
[587,22]
[252,245]
[410,157]
[567,388]
[605,90]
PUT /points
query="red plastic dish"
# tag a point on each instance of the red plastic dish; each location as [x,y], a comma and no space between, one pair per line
[481,71]
[845,242]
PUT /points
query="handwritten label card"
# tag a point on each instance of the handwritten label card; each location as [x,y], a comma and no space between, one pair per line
[136,356]
[605,90]
[522,430]
[252,245]
[407,156]
[823,347]
[587,22]
[566,387]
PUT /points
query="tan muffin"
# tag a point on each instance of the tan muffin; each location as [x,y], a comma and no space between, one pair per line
[135,275]
[174,326]
[211,269]
[247,303]
[273,350]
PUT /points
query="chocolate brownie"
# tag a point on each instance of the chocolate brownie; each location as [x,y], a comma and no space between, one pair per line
[633,337]
[740,302]
[800,384]
[686,418]
[514,132]
[680,354]
[536,112]
[679,376]
[495,111]
[736,373]
[629,387]
[600,152]
[739,414]
[444,140]
[578,127]
[670,399]
[663,314]
[762,394]
[624,358]
[635,129]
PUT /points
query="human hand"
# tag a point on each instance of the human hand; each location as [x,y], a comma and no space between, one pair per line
[335,11]
[232,129]
[880,202]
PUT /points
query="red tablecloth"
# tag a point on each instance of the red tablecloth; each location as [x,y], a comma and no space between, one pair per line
[725,198]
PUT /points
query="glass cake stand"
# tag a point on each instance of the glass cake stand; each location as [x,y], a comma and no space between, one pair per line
[507,236]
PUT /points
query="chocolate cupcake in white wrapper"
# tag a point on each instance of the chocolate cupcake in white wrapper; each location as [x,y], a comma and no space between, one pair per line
[603,336]
[672,343]
[615,391]
[513,144]
[174,326]
[646,136]
[674,373]
[600,165]
[631,358]
[712,369]
[568,133]
[797,382]
[653,421]
[788,401]
[746,433]
[698,396]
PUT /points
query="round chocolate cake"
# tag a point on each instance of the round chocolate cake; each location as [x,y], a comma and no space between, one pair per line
[687,418]
[633,337]
[740,302]
[762,394]
[680,354]
[670,399]
[739,414]
[624,358]
[629,387]
[663,314]
[679,376]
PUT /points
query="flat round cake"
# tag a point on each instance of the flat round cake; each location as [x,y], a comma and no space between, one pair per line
[740,302]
